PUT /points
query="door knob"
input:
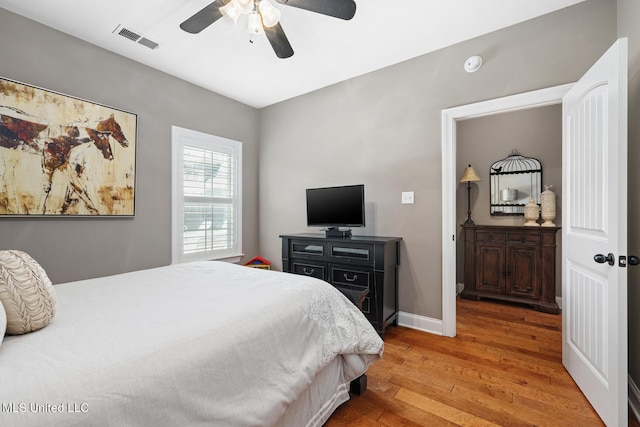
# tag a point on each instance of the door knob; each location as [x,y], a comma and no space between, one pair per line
[601,259]
[633,260]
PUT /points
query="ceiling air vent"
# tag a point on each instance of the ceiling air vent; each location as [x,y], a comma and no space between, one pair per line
[148,43]
[135,37]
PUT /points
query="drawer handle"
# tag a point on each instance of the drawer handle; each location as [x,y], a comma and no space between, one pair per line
[307,271]
[352,279]
[518,288]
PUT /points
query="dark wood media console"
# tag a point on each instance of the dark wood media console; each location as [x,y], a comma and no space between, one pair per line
[352,265]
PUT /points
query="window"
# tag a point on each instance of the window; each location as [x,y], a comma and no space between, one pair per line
[207,196]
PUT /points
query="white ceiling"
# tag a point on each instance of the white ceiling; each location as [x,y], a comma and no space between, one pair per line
[327,50]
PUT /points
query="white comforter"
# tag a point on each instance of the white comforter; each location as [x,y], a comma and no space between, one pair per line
[205,343]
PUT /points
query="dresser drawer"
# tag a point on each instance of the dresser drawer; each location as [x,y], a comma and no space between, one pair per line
[490,236]
[351,254]
[316,269]
[350,277]
[306,249]
[368,305]
[523,237]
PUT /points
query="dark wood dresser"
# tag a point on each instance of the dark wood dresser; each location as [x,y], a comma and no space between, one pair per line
[516,264]
[351,265]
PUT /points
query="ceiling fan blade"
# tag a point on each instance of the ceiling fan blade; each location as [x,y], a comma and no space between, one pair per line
[343,9]
[279,41]
[204,18]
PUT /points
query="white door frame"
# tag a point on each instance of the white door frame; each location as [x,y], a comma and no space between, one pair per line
[450,116]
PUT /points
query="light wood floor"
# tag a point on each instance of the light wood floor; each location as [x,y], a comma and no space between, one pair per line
[504,368]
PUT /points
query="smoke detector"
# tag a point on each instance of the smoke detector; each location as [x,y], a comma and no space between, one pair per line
[473,64]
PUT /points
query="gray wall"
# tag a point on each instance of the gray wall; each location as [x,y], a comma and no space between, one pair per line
[76,248]
[628,13]
[383,130]
[535,132]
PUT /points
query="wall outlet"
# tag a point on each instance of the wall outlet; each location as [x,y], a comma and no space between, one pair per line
[407,197]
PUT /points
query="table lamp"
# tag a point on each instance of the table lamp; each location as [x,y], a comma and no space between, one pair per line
[469,176]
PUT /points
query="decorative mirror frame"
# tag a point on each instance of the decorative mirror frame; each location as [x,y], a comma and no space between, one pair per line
[514,180]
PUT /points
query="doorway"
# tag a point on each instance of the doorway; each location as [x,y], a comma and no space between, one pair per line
[450,117]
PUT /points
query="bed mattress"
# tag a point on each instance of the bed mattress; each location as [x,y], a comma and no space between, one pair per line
[204,343]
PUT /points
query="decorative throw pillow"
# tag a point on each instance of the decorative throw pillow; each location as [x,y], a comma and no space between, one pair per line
[26,293]
[3,322]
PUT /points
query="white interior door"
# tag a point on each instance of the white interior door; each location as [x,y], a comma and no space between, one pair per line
[594,221]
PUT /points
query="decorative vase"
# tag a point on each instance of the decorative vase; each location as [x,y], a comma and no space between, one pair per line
[548,206]
[531,213]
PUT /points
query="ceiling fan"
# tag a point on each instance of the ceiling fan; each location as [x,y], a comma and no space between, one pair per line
[264,17]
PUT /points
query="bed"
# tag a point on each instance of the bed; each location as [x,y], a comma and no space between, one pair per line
[203,343]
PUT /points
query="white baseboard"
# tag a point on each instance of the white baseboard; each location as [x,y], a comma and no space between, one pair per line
[634,398]
[421,323]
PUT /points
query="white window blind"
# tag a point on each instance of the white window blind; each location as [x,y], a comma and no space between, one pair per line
[207,203]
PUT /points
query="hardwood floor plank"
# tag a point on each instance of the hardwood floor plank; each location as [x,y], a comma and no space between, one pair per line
[498,337]
[442,410]
[508,413]
[543,359]
[504,368]
[576,408]
[346,416]
[482,372]
[523,363]
[392,412]
[471,407]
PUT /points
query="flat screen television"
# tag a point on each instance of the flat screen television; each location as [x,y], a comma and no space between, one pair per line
[334,207]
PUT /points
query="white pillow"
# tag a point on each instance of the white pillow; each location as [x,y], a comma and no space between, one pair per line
[3,322]
[26,293]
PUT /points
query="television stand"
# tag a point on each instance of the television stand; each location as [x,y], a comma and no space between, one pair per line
[337,233]
[364,268]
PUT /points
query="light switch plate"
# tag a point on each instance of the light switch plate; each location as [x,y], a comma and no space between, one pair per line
[407,197]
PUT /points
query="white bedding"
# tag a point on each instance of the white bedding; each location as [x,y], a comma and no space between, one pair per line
[206,343]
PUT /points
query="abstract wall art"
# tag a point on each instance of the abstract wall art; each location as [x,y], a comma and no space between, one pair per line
[64,156]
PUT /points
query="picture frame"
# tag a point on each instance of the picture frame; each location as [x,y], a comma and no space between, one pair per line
[64,156]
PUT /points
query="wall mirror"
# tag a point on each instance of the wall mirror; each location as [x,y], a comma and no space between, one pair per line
[514,180]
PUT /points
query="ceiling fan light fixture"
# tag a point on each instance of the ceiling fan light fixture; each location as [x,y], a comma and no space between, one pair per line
[270,14]
[231,11]
[255,24]
[264,18]
[244,6]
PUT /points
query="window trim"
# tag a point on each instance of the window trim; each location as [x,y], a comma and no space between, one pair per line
[179,138]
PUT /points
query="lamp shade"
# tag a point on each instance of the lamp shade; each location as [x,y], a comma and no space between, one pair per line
[231,11]
[244,6]
[470,175]
[270,15]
